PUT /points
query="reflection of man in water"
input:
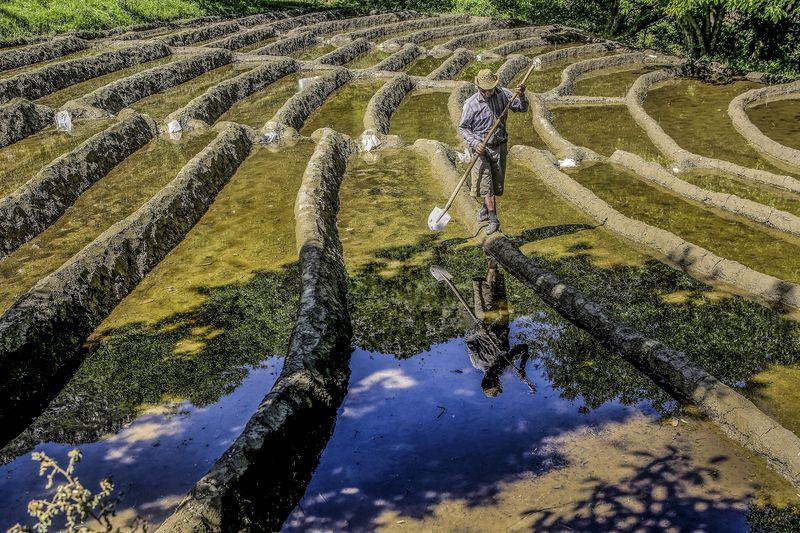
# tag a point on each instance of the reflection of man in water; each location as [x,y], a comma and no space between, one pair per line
[489,348]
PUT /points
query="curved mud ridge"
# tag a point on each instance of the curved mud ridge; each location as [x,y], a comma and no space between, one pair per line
[399,60]
[41,334]
[737,110]
[115,96]
[555,34]
[429,34]
[299,107]
[684,159]
[209,106]
[260,478]
[384,102]
[453,65]
[41,52]
[51,78]
[404,26]
[20,118]
[30,209]
[190,37]
[346,53]
[655,173]
[695,260]
[671,369]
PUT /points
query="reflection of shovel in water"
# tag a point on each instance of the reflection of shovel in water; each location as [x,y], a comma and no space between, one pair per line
[443,276]
[439,218]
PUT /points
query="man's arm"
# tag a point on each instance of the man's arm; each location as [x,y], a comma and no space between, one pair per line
[465,127]
[520,105]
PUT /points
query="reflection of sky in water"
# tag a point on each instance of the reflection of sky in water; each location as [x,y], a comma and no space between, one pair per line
[414,432]
[154,461]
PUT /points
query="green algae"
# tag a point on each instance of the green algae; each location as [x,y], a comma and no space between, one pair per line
[604,129]
[424,65]
[731,238]
[20,161]
[261,106]
[423,114]
[550,75]
[369,59]
[783,200]
[469,72]
[609,82]
[521,131]
[344,110]
[112,198]
[222,301]
[59,98]
[87,52]
[695,114]
[313,52]
[779,120]
[256,45]
[159,105]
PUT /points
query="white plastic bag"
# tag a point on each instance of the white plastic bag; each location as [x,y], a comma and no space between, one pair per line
[567,163]
[63,120]
[304,82]
[465,156]
[369,142]
[271,136]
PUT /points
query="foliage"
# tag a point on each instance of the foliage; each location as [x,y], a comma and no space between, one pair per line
[771,519]
[71,499]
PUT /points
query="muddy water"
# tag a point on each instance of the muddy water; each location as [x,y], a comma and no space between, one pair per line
[780,121]
[539,50]
[313,52]
[36,66]
[609,82]
[550,76]
[256,45]
[368,60]
[728,238]
[344,110]
[112,198]
[695,115]
[469,72]
[423,114]
[191,351]
[161,104]
[776,198]
[20,161]
[424,65]
[59,98]
[521,131]
[604,130]
[259,107]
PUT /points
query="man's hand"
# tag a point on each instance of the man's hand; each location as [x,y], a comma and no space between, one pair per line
[521,90]
[480,148]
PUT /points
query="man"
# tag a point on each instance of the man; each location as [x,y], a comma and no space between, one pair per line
[479,114]
[488,347]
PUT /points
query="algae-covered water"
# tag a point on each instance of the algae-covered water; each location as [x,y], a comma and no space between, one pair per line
[20,161]
[424,65]
[779,120]
[313,52]
[731,238]
[369,59]
[469,72]
[695,114]
[59,98]
[112,198]
[159,105]
[173,374]
[258,108]
[604,129]
[344,110]
[609,82]
[423,114]
[256,45]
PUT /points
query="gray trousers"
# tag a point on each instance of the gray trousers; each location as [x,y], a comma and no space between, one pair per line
[489,173]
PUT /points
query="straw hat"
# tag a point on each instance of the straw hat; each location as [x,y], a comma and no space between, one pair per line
[486,80]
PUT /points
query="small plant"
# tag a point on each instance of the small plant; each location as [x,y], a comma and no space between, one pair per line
[71,500]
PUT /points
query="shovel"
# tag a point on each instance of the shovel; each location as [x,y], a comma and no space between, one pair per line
[439,218]
[443,276]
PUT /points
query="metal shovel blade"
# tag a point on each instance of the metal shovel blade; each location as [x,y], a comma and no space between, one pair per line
[440,274]
[438,219]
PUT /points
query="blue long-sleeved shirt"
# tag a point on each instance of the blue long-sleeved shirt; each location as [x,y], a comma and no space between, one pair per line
[479,114]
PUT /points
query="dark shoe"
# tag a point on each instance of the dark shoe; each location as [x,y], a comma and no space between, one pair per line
[483,214]
[492,226]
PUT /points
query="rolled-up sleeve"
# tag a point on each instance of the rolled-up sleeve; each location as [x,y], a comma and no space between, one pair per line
[465,126]
[520,105]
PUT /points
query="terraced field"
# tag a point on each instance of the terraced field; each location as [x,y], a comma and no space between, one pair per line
[216,279]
